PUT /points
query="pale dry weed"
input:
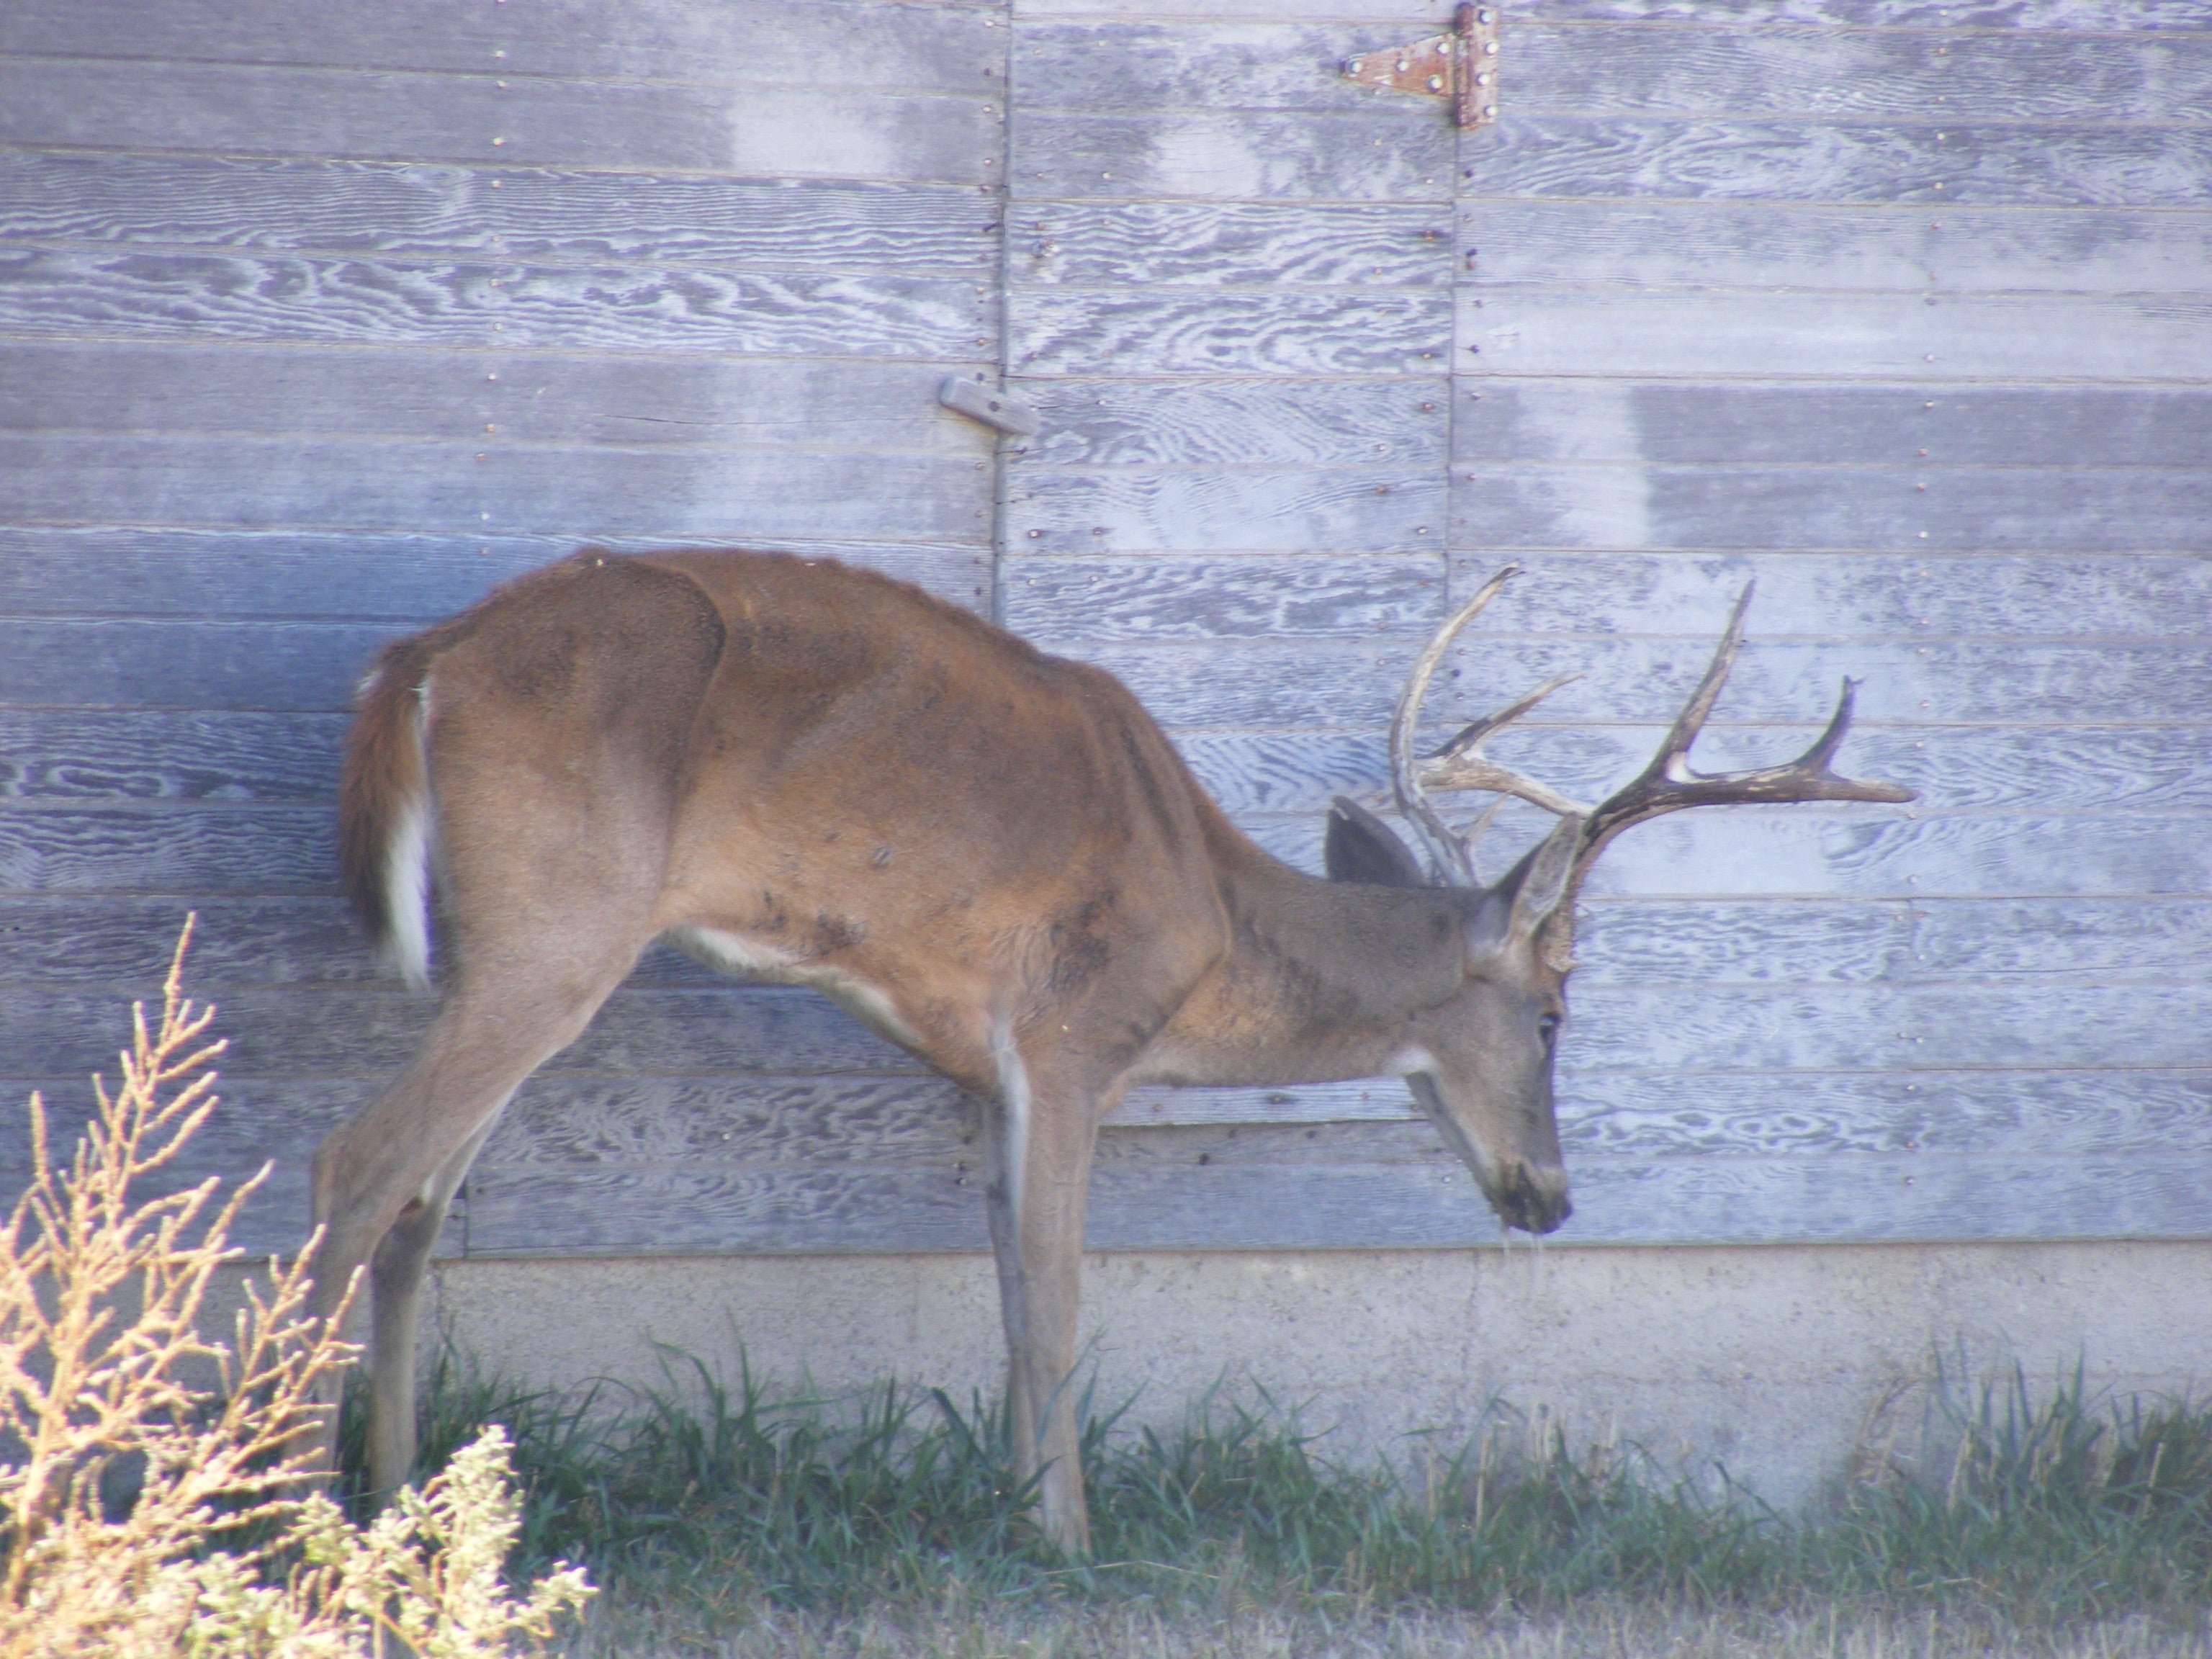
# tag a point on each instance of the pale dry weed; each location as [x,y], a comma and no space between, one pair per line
[156,1491]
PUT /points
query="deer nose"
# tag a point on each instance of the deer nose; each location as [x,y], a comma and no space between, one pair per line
[1534,1199]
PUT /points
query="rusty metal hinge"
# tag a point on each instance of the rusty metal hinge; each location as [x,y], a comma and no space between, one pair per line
[1461,66]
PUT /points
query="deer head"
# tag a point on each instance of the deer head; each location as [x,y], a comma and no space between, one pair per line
[1481,1065]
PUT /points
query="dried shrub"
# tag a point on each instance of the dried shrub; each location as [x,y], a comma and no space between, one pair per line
[157,1494]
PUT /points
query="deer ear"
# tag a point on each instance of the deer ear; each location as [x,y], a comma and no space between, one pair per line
[1545,876]
[1361,847]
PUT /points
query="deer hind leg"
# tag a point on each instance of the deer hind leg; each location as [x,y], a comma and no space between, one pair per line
[383,1181]
[1040,1144]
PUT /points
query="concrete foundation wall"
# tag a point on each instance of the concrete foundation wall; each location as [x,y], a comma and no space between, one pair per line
[1773,1362]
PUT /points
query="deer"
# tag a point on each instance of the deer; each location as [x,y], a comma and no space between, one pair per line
[810,774]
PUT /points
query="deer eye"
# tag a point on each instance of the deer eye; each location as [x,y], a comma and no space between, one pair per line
[1547,1029]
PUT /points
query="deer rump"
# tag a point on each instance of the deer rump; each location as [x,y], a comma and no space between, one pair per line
[818,775]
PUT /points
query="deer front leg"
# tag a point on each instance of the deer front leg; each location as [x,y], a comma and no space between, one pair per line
[1041,1144]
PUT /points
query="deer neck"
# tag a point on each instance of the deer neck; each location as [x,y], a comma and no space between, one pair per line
[1320,980]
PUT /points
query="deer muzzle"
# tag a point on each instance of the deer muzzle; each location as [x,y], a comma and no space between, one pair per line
[1529,1197]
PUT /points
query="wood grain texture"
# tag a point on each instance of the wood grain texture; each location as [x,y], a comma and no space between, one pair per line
[144,849]
[1378,155]
[1919,250]
[2054,75]
[336,1031]
[1102,63]
[1050,600]
[407,209]
[206,296]
[841,44]
[586,492]
[467,395]
[1839,596]
[1591,68]
[1309,509]
[760,132]
[1052,332]
[395,577]
[1215,246]
[1956,768]
[114,663]
[1243,421]
[1816,509]
[1371,1206]
[148,755]
[1742,424]
[2027,165]
[1940,682]
[1549,332]
[123,942]
[1797,852]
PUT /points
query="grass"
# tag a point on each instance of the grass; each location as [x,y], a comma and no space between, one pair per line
[706,1508]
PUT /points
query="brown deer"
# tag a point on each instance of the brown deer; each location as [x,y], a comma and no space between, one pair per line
[818,775]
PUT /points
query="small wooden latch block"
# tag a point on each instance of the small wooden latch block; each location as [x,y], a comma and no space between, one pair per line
[1461,66]
[979,402]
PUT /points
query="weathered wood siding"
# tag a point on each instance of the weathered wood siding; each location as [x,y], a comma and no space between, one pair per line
[317,321]
[1902,309]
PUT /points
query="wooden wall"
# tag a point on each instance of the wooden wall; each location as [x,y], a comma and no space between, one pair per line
[315,322]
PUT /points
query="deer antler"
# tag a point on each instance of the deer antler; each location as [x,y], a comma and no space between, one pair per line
[1668,784]
[1458,764]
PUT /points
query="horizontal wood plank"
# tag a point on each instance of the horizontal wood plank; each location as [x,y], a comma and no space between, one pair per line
[2027,165]
[1379,153]
[123,943]
[2022,74]
[1390,508]
[1535,330]
[1046,600]
[210,295]
[392,577]
[1940,250]
[584,491]
[759,132]
[143,755]
[343,1030]
[1876,509]
[1214,246]
[824,43]
[1590,68]
[1252,421]
[407,209]
[1367,1207]
[1901,424]
[1833,597]
[307,391]
[1175,332]
[1956,769]
[1322,683]
[1791,852]
[362,1031]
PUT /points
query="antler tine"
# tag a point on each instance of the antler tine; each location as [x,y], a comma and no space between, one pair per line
[1672,758]
[1447,852]
[1668,784]
[1458,766]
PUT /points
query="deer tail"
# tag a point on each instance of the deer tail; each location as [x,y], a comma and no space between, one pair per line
[386,825]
